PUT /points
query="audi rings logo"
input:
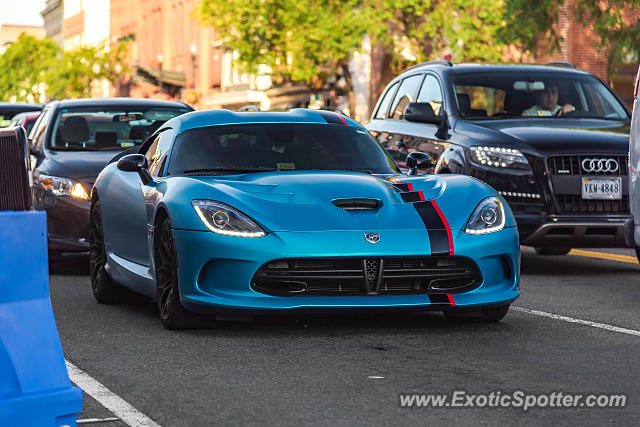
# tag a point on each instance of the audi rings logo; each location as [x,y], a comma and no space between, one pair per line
[600,165]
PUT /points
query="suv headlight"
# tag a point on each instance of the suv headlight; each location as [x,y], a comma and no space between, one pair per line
[223,219]
[498,157]
[487,217]
[63,186]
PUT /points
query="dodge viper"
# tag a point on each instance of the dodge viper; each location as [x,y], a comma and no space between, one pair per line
[270,212]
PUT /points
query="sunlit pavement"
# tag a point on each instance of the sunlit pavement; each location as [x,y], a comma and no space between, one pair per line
[349,370]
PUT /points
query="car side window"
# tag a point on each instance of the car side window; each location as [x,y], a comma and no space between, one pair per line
[386,101]
[158,159]
[431,93]
[38,134]
[407,93]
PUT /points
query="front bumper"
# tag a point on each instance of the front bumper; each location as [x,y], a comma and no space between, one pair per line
[67,223]
[215,271]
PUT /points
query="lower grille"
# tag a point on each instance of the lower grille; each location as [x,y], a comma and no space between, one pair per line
[574,203]
[367,276]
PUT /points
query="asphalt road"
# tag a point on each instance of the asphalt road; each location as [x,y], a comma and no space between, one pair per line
[350,370]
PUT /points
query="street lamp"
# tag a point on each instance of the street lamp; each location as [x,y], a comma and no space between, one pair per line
[160,58]
[194,51]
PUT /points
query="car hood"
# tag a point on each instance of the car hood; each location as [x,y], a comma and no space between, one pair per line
[303,201]
[547,136]
[76,164]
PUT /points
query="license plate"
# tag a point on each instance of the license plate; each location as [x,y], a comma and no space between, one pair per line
[602,188]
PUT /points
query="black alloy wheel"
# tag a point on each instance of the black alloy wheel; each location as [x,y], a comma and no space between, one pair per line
[552,251]
[104,289]
[485,315]
[172,314]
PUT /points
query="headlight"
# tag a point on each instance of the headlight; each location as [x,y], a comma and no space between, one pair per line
[487,217]
[223,219]
[498,157]
[63,187]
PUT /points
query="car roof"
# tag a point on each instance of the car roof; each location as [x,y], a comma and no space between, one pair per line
[205,118]
[472,67]
[20,106]
[100,102]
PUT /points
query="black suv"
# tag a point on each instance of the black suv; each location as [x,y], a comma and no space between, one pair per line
[553,140]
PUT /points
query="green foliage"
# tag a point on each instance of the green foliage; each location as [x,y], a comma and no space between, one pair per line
[33,69]
[25,65]
[526,22]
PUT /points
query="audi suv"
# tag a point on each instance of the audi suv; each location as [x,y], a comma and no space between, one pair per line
[551,139]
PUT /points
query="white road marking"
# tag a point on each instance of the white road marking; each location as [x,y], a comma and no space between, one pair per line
[375,377]
[123,410]
[578,321]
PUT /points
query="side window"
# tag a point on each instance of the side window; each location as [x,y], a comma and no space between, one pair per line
[38,134]
[386,100]
[430,92]
[407,92]
[152,151]
[159,157]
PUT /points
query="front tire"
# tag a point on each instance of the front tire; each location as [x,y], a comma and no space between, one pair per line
[552,251]
[172,314]
[104,289]
[485,315]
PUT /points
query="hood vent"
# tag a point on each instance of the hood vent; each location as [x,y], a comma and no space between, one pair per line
[357,204]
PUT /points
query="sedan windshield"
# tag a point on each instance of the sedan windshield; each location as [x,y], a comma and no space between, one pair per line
[536,95]
[278,147]
[112,129]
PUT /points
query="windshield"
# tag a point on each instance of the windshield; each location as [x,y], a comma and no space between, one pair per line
[112,129]
[279,147]
[524,94]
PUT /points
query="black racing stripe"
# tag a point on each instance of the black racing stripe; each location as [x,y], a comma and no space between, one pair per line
[438,237]
[439,299]
[401,187]
[330,117]
[412,197]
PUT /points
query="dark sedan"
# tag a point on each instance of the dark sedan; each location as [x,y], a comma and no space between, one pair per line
[552,140]
[71,142]
[8,110]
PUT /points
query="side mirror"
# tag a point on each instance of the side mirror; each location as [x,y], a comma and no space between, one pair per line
[421,112]
[135,163]
[418,160]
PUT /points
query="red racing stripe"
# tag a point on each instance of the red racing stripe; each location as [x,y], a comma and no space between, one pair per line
[452,303]
[341,119]
[446,225]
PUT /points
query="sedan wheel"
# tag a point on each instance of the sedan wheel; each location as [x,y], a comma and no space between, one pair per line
[493,314]
[172,314]
[104,289]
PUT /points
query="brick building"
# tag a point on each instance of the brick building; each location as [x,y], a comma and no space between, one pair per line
[10,33]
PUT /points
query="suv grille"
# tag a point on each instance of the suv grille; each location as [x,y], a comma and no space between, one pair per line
[367,276]
[574,203]
[572,165]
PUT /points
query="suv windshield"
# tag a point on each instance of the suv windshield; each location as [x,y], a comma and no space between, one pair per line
[112,129]
[279,147]
[529,94]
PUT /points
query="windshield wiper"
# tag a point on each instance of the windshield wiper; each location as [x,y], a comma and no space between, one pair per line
[239,170]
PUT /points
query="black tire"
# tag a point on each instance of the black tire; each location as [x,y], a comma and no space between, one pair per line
[172,314]
[105,290]
[552,251]
[638,254]
[485,315]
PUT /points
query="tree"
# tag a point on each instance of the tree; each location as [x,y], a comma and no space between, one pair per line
[297,39]
[25,65]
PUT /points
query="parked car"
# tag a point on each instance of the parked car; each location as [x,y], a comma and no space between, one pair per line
[26,120]
[552,140]
[9,109]
[71,142]
[633,229]
[301,210]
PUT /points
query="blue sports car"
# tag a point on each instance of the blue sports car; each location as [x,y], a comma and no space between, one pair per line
[269,212]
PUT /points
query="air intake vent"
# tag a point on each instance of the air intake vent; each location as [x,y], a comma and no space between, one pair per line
[15,188]
[357,204]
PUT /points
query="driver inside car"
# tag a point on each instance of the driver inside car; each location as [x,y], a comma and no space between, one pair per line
[547,103]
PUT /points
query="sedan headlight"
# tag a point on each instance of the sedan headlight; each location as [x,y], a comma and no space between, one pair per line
[498,157]
[488,217]
[63,186]
[223,219]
